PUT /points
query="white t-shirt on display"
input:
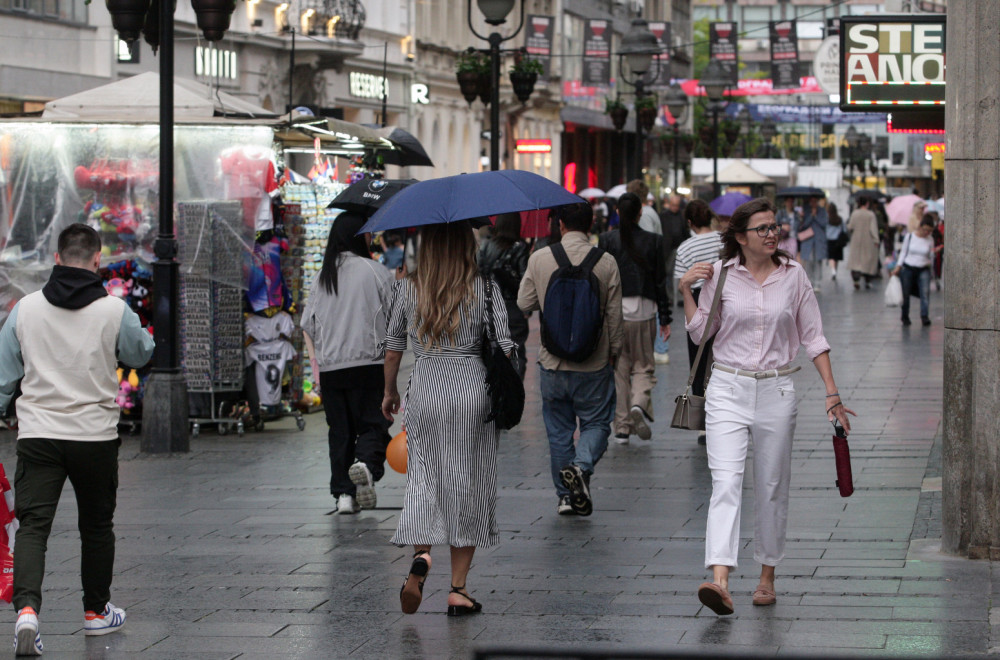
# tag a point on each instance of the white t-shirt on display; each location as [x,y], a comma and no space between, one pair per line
[270,357]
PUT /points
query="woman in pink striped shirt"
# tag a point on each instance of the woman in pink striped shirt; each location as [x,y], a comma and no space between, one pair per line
[767,311]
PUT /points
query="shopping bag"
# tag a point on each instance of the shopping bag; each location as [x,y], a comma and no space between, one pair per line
[842,457]
[894,292]
[8,526]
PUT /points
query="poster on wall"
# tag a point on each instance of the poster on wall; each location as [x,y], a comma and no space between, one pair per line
[784,54]
[538,41]
[722,45]
[661,62]
[596,52]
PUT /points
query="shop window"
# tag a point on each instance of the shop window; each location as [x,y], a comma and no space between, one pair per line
[755,20]
[897,157]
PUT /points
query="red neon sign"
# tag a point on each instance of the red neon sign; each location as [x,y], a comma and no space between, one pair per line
[934,148]
[539,146]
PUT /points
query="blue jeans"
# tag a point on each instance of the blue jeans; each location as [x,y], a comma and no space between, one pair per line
[922,277]
[570,395]
[662,345]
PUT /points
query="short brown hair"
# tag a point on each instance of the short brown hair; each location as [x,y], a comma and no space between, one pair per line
[78,243]
[638,187]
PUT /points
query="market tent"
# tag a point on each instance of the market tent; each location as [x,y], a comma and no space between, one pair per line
[738,172]
[137,99]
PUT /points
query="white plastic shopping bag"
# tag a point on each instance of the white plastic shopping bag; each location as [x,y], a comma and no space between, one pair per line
[894,292]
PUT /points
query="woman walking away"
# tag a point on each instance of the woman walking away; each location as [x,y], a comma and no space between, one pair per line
[914,268]
[836,239]
[639,255]
[789,220]
[505,258]
[863,258]
[344,325]
[451,478]
[767,310]
[703,246]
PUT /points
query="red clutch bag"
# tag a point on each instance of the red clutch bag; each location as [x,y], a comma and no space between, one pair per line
[842,456]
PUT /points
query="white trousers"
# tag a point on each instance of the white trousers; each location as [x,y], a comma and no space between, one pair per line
[738,410]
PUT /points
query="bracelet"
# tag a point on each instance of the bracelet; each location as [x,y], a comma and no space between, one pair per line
[834,394]
[839,403]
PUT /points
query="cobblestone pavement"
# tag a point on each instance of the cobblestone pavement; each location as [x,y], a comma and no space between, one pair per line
[230,551]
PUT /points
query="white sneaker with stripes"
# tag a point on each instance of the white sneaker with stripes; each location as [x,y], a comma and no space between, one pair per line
[27,640]
[108,621]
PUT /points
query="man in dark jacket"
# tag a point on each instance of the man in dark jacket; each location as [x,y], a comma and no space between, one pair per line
[639,255]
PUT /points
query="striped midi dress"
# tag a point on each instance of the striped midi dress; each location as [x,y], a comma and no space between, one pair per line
[451,475]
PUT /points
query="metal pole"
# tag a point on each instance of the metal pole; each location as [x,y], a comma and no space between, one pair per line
[676,156]
[385,78]
[165,406]
[639,93]
[291,76]
[495,41]
[716,188]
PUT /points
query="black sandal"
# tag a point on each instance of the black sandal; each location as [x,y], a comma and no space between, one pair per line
[412,592]
[462,610]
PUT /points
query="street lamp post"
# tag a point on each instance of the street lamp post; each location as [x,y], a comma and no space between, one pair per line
[851,137]
[715,80]
[677,103]
[495,12]
[768,130]
[638,47]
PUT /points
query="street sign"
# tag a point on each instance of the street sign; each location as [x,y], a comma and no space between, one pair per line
[826,65]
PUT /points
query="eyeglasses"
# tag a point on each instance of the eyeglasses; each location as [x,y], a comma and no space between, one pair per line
[764,230]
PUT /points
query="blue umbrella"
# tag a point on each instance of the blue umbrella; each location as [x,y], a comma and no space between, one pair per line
[468,196]
[726,204]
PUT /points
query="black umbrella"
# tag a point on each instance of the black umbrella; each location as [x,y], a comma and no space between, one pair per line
[410,151]
[368,195]
[800,191]
[874,195]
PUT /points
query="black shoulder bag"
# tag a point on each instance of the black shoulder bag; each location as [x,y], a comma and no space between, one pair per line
[503,384]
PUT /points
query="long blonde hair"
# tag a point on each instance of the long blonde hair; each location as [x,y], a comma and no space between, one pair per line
[444,280]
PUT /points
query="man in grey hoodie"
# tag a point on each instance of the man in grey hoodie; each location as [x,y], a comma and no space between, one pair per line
[62,344]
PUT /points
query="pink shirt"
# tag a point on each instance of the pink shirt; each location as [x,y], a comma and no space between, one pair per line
[760,327]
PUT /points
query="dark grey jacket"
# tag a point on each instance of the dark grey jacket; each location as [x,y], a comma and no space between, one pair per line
[648,279]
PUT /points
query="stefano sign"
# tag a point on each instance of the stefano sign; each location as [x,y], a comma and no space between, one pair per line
[893,61]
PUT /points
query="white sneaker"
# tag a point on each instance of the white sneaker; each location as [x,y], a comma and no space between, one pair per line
[639,424]
[661,358]
[621,439]
[27,641]
[361,477]
[346,504]
[108,621]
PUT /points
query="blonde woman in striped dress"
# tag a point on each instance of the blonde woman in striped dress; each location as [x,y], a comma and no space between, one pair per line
[451,479]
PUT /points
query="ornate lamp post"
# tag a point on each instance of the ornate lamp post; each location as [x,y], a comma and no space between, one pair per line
[677,103]
[495,12]
[638,47]
[715,81]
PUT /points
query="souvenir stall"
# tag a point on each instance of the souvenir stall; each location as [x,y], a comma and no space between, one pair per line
[243,249]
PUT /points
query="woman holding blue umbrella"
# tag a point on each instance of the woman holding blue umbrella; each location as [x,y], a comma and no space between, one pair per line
[451,479]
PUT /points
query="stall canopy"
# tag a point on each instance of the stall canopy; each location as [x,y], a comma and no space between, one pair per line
[738,172]
[137,99]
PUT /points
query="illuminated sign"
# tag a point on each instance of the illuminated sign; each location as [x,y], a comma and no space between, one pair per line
[934,148]
[420,94]
[367,85]
[893,61]
[541,146]
[215,63]
[918,124]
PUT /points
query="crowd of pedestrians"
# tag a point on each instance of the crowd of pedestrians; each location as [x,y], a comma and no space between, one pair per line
[747,284]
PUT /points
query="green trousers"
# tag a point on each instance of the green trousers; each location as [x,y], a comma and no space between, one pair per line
[43,466]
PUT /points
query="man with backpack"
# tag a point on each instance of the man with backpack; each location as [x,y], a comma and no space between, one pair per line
[577,287]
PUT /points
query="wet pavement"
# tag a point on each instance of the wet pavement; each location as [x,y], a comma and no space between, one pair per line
[230,551]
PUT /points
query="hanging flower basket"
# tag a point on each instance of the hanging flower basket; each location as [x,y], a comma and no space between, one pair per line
[128,17]
[523,84]
[647,117]
[619,115]
[213,17]
[468,83]
[484,86]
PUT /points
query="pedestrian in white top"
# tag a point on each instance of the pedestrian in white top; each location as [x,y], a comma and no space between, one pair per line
[916,257]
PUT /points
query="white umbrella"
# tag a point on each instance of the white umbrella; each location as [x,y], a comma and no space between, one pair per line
[617,191]
[590,193]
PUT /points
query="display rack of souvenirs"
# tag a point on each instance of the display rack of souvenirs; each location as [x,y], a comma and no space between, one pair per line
[306,221]
[133,283]
[211,308]
[269,351]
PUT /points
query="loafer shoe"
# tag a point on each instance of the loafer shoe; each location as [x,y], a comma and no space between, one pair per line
[715,598]
[764,596]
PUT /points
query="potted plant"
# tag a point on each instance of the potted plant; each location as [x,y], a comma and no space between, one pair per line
[646,110]
[524,74]
[618,111]
[469,67]
[213,17]
[127,17]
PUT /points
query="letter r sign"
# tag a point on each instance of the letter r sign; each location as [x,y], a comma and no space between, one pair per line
[419,93]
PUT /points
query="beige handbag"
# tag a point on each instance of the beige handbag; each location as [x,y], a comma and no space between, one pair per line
[690,410]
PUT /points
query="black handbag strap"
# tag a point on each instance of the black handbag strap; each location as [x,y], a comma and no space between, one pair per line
[489,311]
[708,327]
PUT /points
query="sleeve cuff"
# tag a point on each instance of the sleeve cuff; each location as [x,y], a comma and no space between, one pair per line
[817,347]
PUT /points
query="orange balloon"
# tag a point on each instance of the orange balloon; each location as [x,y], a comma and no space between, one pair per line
[395,453]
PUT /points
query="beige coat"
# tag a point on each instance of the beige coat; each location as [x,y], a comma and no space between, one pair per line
[864,243]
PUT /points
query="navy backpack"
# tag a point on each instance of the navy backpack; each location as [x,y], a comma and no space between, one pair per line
[573,318]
